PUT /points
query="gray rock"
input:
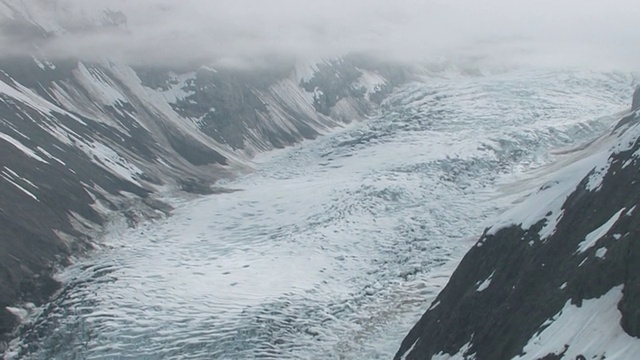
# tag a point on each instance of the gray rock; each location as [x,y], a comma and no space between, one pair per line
[635,104]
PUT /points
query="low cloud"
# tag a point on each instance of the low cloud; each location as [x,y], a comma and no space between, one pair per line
[589,33]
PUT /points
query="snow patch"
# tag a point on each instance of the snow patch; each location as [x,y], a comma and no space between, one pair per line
[111,161]
[434,305]
[546,204]
[485,284]
[592,330]
[22,148]
[47,154]
[99,85]
[177,86]
[591,238]
[27,192]
[371,81]
[594,182]
[404,356]
[16,176]
[38,62]
[460,355]
[630,212]
[29,98]
[20,313]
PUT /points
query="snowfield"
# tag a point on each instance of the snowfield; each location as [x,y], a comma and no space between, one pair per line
[335,247]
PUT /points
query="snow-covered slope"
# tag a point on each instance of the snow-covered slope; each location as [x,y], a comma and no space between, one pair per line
[82,140]
[556,276]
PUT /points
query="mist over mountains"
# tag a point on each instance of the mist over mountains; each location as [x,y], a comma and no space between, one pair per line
[392,130]
[251,33]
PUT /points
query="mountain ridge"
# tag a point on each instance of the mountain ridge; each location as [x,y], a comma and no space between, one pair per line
[83,140]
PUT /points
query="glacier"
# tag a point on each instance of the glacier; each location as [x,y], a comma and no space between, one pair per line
[333,247]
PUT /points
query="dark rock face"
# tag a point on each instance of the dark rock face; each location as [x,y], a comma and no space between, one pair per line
[332,83]
[531,279]
[336,80]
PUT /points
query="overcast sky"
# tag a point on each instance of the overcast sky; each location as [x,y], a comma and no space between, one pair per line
[594,33]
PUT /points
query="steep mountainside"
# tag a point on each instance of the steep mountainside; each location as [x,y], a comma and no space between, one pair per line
[557,276]
[82,140]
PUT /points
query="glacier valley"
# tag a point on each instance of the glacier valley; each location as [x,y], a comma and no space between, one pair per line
[332,248]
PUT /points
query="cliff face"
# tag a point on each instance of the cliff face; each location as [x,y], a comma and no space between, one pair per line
[557,276]
[83,140]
